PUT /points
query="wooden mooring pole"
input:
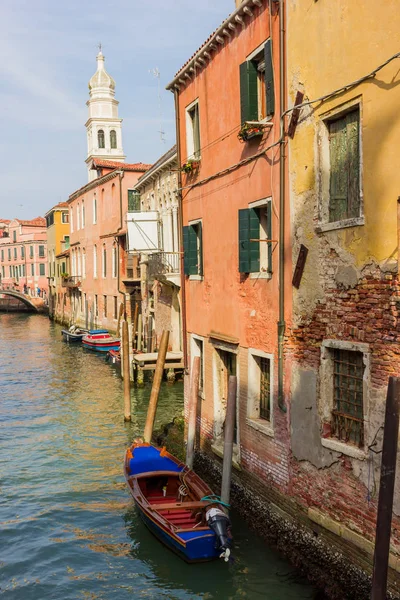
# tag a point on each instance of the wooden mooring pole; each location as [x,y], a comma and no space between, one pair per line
[230,420]
[193,399]
[155,390]
[126,371]
[386,490]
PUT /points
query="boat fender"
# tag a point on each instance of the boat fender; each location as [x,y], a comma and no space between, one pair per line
[220,523]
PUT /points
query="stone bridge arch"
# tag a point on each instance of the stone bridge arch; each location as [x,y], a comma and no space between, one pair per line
[35,304]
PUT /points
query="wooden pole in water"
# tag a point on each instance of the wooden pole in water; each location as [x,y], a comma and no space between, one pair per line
[121,312]
[155,390]
[125,371]
[230,420]
[135,323]
[386,490]
[139,334]
[193,399]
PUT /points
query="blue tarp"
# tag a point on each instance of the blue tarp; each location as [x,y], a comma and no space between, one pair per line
[147,458]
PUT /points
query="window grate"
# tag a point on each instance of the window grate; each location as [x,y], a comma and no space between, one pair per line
[348,412]
[265,389]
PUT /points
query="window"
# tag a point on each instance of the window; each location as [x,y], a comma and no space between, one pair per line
[22,252]
[105,305]
[23,271]
[66,242]
[78,217]
[133,201]
[257,94]
[193,249]
[72,220]
[83,263]
[193,131]
[114,261]
[104,262]
[100,138]
[64,217]
[227,367]
[344,159]
[96,306]
[197,349]
[113,139]
[259,391]
[41,251]
[42,269]
[9,254]
[50,219]
[95,261]
[83,214]
[3,270]
[30,251]
[2,256]
[14,235]
[115,307]
[11,271]
[15,253]
[94,211]
[255,224]
[32,269]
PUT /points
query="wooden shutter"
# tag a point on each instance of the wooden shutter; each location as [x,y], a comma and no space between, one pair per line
[254,247]
[353,163]
[248,92]
[269,79]
[196,131]
[199,248]
[244,237]
[269,235]
[192,253]
[186,250]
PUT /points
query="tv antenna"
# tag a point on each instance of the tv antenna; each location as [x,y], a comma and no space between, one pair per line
[156,73]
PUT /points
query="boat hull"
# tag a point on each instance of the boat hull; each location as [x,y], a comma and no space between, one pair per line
[100,341]
[73,338]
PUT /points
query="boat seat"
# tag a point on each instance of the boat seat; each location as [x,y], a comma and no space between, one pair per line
[180,505]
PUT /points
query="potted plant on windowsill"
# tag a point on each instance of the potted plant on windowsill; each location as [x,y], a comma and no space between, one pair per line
[190,165]
[250,130]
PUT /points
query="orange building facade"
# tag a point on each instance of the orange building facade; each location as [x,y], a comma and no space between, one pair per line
[227,98]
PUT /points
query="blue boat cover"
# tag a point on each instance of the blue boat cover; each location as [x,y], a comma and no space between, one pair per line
[147,458]
[94,331]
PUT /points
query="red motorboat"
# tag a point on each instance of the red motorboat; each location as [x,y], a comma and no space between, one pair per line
[100,340]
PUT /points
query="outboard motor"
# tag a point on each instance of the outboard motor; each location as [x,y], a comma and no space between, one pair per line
[220,523]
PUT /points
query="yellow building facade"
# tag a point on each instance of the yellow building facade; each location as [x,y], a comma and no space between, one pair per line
[58,230]
[344,185]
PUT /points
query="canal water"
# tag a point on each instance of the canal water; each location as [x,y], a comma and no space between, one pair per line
[69,530]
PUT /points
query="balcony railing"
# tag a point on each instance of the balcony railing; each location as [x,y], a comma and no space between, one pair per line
[164,263]
[72,281]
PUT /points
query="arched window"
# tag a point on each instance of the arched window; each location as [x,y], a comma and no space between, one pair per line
[100,138]
[83,214]
[113,138]
[95,261]
[84,263]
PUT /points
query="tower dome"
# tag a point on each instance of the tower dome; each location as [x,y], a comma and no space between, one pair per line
[101,80]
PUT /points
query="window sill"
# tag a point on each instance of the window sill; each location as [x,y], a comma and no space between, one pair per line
[343,448]
[261,275]
[196,277]
[356,222]
[261,425]
[217,447]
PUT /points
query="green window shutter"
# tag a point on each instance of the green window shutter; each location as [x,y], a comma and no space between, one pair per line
[269,78]
[186,250]
[353,163]
[248,92]
[199,248]
[254,230]
[269,234]
[133,201]
[193,267]
[244,236]
[338,175]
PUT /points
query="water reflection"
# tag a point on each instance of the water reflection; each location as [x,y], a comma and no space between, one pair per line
[69,528]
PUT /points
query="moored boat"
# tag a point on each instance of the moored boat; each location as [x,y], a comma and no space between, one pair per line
[177,506]
[114,357]
[100,340]
[74,334]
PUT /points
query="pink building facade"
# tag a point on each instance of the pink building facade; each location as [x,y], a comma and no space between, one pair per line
[23,256]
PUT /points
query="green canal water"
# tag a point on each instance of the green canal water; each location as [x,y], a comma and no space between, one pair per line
[69,530]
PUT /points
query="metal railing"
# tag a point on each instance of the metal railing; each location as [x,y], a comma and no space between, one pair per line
[164,263]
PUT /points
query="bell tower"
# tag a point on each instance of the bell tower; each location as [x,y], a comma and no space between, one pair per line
[103,127]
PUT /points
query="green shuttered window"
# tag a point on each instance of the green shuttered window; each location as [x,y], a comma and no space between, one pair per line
[344,154]
[255,225]
[193,249]
[133,201]
[257,93]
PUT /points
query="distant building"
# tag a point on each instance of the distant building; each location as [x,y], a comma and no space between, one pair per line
[23,256]
[57,221]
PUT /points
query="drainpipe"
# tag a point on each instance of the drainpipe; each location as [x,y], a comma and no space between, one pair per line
[281,322]
[180,233]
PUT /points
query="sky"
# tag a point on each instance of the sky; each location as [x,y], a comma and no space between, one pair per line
[48,51]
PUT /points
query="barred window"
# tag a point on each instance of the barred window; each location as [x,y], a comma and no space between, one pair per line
[348,407]
[265,388]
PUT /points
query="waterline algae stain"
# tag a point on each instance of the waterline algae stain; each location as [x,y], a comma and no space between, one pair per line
[68,528]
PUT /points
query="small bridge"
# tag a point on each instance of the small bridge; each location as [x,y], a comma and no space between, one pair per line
[35,304]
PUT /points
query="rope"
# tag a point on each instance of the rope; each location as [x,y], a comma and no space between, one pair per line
[214,499]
